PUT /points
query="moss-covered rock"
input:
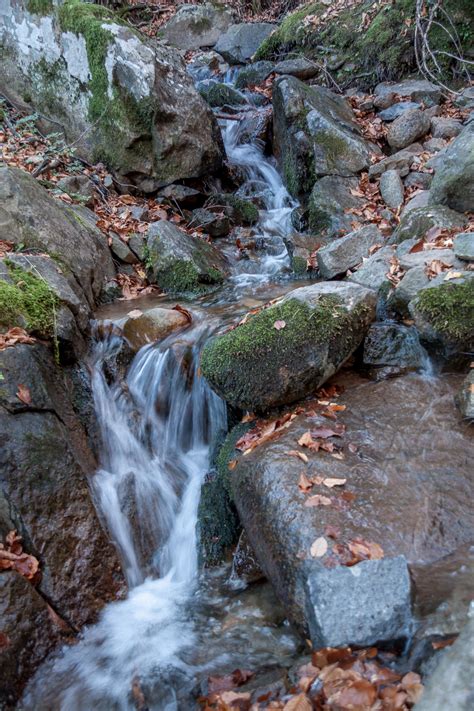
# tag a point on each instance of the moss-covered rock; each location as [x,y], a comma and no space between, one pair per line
[444,314]
[219,94]
[27,300]
[453,183]
[180,263]
[416,223]
[260,365]
[242,211]
[382,49]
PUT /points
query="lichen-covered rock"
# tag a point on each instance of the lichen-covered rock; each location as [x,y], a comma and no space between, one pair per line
[328,205]
[195,26]
[121,99]
[373,271]
[315,135]
[241,41]
[408,128]
[391,189]
[291,348]
[152,325]
[464,246]
[341,254]
[253,74]
[416,223]
[453,183]
[33,219]
[444,313]
[180,263]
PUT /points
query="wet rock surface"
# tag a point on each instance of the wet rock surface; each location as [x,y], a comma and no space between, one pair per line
[453,184]
[153,325]
[241,41]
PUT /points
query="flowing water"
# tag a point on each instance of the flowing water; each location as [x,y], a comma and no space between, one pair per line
[156,433]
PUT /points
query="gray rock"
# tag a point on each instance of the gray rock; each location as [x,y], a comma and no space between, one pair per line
[465,397]
[437,160]
[328,206]
[240,42]
[215,224]
[204,64]
[419,90]
[435,145]
[180,263]
[299,67]
[143,118]
[465,98]
[245,566]
[183,195]
[374,269]
[220,94]
[367,603]
[323,324]
[315,134]
[418,259]
[392,344]
[418,180]
[80,185]
[391,189]
[453,184]
[121,250]
[464,246]
[344,253]
[451,684]
[433,111]
[411,284]
[400,161]
[195,26]
[416,223]
[445,127]
[254,74]
[137,243]
[397,110]
[421,199]
[408,128]
[33,219]
[384,101]
[152,325]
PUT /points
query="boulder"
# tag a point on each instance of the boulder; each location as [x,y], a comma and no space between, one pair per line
[391,189]
[451,683]
[153,325]
[421,199]
[453,183]
[466,98]
[315,134]
[418,180]
[464,246]
[420,90]
[400,161]
[408,259]
[445,127]
[411,283]
[390,497]
[30,217]
[28,634]
[196,26]
[121,250]
[180,263]
[289,349]
[299,67]
[444,315]
[465,397]
[344,253]
[408,128]
[329,203]
[253,74]
[416,223]
[121,98]
[394,345]
[220,94]
[396,110]
[241,41]
[373,271]
[45,459]
[213,223]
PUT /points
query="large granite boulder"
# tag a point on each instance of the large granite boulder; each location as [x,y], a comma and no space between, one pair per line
[45,465]
[315,134]
[121,99]
[395,473]
[241,41]
[453,184]
[289,349]
[196,26]
[180,263]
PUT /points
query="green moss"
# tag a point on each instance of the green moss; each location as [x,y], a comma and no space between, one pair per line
[288,33]
[183,277]
[299,265]
[40,7]
[449,310]
[49,80]
[27,301]
[218,522]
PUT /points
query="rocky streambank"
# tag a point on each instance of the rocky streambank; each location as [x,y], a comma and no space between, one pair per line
[338,300]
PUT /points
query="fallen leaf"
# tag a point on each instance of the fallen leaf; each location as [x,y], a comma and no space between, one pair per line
[232,464]
[184,311]
[331,482]
[305,440]
[359,694]
[318,500]
[304,484]
[298,703]
[24,394]
[452,275]
[352,448]
[324,433]
[279,325]
[332,531]
[300,455]
[365,550]
[319,547]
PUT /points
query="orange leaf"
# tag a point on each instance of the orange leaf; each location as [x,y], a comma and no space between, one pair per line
[24,394]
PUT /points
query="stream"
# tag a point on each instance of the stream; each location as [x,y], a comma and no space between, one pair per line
[178,624]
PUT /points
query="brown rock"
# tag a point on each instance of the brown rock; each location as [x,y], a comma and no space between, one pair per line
[154,325]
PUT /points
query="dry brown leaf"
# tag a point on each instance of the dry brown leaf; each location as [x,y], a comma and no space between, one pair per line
[298,703]
[365,550]
[319,547]
[305,440]
[331,482]
[300,455]
[24,394]
[304,484]
[318,500]
[184,311]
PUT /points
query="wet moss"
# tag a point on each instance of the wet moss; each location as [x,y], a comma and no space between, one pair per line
[40,7]
[28,301]
[299,265]
[449,310]
[244,211]
[182,277]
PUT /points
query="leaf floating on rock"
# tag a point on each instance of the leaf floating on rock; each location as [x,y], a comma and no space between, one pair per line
[318,500]
[24,394]
[319,547]
[279,325]
[330,483]
[325,432]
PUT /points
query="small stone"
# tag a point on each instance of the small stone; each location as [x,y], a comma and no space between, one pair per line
[391,189]
[300,67]
[465,397]
[419,90]
[253,74]
[421,199]
[383,101]
[374,270]
[408,128]
[411,284]
[418,180]
[432,112]
[397,110]
[137,243]
[392,344]
[360,605]
[218,94]
[240,42]
[400,161]
[78,185]
[464,246]
[153,325]
[466,98]
[121,250]
[139,212]
[216,225]
[181,194]
[425,257]
[344,253]
[434,145]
